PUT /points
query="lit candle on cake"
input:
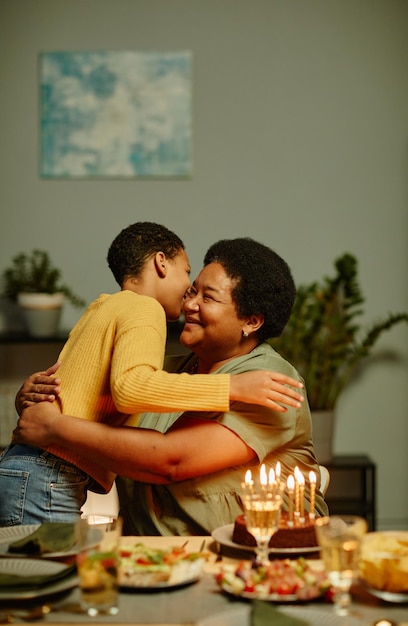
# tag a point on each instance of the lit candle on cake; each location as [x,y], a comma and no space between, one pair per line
[312,479]
[248,484]
[297,491]
[290,483]
[271,479]
[301,481]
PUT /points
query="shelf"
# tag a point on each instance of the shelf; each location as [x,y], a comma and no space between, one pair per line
[16,336]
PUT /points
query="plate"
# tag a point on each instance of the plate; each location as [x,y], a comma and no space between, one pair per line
[223,535]
[241,616]
[35,567]
[10,534]
[388,596]
[273,597]
[181,574]
[297,580]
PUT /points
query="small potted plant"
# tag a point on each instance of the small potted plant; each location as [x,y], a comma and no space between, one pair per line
[325,342]
[35,285]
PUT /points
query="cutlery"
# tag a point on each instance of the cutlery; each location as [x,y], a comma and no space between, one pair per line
[29,615]
[37,612]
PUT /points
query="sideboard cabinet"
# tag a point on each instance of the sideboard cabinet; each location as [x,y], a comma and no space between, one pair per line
[352,488]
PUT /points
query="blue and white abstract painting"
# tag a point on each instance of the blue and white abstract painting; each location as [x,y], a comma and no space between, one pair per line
[116,114]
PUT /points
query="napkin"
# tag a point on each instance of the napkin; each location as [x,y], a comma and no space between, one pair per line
[265,613]
[49,537]
[25,583]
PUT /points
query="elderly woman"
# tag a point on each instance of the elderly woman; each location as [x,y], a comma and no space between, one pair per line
[186,469]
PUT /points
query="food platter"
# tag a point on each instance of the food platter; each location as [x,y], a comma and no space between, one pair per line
[383,565]
[283,581]
[180,577]
[10,534]
[145,568]
[272,597]
[223,535]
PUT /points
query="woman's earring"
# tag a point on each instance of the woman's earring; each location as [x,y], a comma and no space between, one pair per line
[245,334]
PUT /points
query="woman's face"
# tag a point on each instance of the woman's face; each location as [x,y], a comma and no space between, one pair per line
[212,328]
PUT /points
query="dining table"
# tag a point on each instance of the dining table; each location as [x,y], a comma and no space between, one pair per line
[201,602]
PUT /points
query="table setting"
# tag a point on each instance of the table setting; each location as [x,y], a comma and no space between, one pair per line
[96,577]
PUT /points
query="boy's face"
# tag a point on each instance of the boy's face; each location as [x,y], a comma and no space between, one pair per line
[177,283]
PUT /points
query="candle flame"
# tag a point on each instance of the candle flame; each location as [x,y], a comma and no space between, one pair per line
[271,479]
[312,477]
[299,476]
[278,469]
[248,477]
[290,482]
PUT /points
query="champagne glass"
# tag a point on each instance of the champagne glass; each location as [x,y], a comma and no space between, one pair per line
[339,539]
[262,515]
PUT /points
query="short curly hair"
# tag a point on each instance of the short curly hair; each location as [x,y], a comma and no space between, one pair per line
[137,243]
[263,282]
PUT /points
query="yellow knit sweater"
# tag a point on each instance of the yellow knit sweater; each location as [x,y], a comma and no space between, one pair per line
[111,371]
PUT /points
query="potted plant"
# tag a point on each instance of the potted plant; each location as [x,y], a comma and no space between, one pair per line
[35,285]
[325,342]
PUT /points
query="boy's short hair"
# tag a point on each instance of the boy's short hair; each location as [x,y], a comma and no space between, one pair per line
[137,243]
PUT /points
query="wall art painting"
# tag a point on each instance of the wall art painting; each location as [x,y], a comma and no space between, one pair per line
[115,114]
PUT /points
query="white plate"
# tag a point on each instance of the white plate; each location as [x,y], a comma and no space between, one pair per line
[223,535]
[10,534]
[34,567]
[272,597]
[160,586]
[241,616]
[183,573]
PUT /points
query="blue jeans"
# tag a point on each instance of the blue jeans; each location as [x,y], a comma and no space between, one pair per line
[36,487]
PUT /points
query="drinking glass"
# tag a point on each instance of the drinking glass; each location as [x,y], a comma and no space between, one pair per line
[262,515]
[98,564]
[339,539]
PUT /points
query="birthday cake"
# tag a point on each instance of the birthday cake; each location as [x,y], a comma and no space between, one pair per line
[297,536]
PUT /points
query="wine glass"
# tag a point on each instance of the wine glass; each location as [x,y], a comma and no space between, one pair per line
[339,539]
[262,515]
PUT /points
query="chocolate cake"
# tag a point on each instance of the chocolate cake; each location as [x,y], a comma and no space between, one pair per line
[298,536]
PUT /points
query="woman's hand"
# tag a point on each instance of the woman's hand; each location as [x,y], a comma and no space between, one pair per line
[266,388]
[39,387]
[35,426]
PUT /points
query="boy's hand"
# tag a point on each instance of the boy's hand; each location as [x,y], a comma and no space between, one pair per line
[39,387]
